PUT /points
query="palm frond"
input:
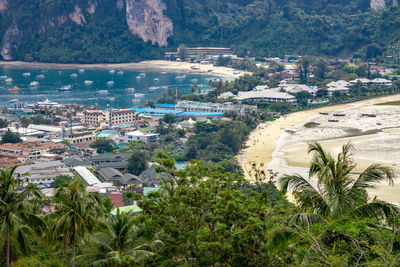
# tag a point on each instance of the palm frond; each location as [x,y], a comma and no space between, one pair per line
[377,209]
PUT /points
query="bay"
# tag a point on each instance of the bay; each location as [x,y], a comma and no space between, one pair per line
[108,88]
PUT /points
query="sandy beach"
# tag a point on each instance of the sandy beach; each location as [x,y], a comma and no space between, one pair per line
[149,65]
[286,153]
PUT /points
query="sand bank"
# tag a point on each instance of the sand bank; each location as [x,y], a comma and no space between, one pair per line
[286,154]
[149,65]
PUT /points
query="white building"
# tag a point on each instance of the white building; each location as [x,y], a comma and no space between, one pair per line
[270,96]
[296,88]
[139,136]
[42,173]
[103,117]
[338,86]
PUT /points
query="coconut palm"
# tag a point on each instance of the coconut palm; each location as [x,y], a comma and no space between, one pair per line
[116,243]
[339,191]
[16,217]
[75,214]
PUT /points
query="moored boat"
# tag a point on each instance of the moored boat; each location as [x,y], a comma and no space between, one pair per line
[14,89]
[34,84]
[65,88]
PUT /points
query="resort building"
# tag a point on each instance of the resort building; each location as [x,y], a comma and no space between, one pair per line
[42,173]
[375,82]
[195,106]
[107,117]
[203,52]
[338,86]
[296,88]
[116,161]
[269,96]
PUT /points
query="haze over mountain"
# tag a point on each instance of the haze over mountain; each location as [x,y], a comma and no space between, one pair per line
[130,30]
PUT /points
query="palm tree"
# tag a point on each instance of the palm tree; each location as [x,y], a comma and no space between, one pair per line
[76,212]
[116,243]
[16,218]
[339,190]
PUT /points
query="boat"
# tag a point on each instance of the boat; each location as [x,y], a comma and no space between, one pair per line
[194,80]
[34,84]
[3,77]
[14,89]
[120,72]
[164,87]
[130,90]
[111,98]
[40,76]
[142,74]
[88,82]
[135,100]
[110,83]
[138,95]
[112,71]
[65,88]
[153,88]
[103,92]
[73,75]
[156,80]
[163,73]
[81,70]
[181,77]
[26,74]
[8,80]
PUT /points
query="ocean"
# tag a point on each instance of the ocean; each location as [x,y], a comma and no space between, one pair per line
[102,87]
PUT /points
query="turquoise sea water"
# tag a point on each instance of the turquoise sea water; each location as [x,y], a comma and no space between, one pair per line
[116,95]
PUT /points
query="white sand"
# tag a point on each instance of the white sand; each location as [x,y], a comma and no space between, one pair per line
[149,65]
[286,154]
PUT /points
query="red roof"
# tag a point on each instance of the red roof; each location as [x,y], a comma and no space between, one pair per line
[117,199]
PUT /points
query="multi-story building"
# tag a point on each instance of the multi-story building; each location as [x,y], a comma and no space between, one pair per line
[80,136]
[195,106]
[203,51]
[116,116]
[32,150]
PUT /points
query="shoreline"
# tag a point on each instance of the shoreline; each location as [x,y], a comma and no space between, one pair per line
[264,143]
[148,65]
[270,145]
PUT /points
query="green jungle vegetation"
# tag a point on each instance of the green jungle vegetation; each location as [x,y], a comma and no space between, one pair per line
[203,216]
[250,27]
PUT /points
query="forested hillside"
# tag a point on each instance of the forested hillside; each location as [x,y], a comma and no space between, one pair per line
[130,30]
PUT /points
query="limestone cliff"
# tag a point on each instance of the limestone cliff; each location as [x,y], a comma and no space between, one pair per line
[10,42]
[146,19]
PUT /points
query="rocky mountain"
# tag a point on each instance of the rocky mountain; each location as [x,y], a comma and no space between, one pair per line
[129,30]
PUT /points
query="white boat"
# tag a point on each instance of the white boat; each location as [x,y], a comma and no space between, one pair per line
[156,80]
[142,74]
[65,88]
[163,73]
[181,77]
[40,76]
[135,100]
[130,90]
[26,74]
[164,87]
[112,71]
[88,82]
[9,80]
[81,70]
[73,75]
[153,88]
[110,83]
[3,77]
[120,72]
[111,98]
[194,80]
[138,95]
[103,92]
[34,84]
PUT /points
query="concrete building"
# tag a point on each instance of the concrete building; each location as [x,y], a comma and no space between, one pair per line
[32,150]
[375,82]
[42,173]
[139,136]
[195,106]
[270,96]
[296,88]
[80,136]
[105,117]
[338,86]
[203,52]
